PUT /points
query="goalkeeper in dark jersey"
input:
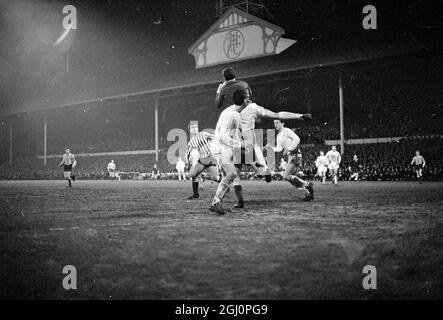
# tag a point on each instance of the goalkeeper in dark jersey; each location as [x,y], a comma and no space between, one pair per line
[223,97]
[198,155]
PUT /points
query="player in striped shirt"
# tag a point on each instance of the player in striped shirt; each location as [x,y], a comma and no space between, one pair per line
[198,155]
[419,163]
[68,162]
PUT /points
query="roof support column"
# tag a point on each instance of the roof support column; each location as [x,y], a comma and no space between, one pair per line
[342,123]
[156,128]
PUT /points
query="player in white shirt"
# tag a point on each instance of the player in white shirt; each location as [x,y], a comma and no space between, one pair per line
[321,163]
[249,115]
[334,159]
[180,167]
[227,138]
[419,163]
[287,142]
[111,169]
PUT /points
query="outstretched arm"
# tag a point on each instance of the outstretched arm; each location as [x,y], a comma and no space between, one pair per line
[219,97]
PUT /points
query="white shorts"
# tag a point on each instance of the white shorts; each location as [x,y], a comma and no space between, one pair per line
[333,166]
[321,171]
[112,174]
[221,153]
[194,156]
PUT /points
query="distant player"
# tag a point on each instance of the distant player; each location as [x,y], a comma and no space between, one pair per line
[322,166]
[155,173]
[68,162]
[198,155]
[180,167]
[355,168]
[287,142]
[111,169]
[226,139]
[419,163]
[334,159]
[225,91]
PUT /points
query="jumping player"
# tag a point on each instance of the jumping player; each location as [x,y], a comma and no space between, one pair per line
[249,115]
[225,91]
[321,163]
[334,159]
[198,154]
[227,138]
[419,163]
[287,142]
[68,162]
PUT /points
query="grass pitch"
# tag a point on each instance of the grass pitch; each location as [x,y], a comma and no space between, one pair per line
[142,240]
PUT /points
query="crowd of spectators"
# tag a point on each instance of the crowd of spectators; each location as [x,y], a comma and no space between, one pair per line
[380,162]
[389,161]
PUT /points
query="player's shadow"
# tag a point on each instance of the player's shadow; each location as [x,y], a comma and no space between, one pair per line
[273,201]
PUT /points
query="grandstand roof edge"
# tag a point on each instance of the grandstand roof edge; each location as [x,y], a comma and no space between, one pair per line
[195,84]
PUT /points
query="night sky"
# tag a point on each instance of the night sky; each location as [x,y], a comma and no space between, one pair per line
[158,33]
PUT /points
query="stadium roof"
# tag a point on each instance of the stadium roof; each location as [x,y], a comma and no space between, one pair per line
[191,80]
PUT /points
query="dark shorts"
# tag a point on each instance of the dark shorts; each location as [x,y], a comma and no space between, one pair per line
[295,159]
[67,167]
[207,162]
[418,167]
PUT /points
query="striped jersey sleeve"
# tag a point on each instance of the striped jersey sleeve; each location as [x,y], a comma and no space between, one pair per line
[201,142]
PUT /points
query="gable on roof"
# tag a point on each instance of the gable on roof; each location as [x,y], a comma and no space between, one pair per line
[237,35]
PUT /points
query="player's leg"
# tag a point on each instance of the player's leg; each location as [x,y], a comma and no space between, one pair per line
[67,175]
[224,157]
[295,180]
[260,161]
[213,173]
[196,169]
[238,188]
[336,176]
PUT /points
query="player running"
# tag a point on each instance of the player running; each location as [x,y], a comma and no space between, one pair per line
[68,162]
[111,169]
[334,159]
[354,168]
[198,154]
[287,142]
[321,163]
[227,138]
[419,163]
